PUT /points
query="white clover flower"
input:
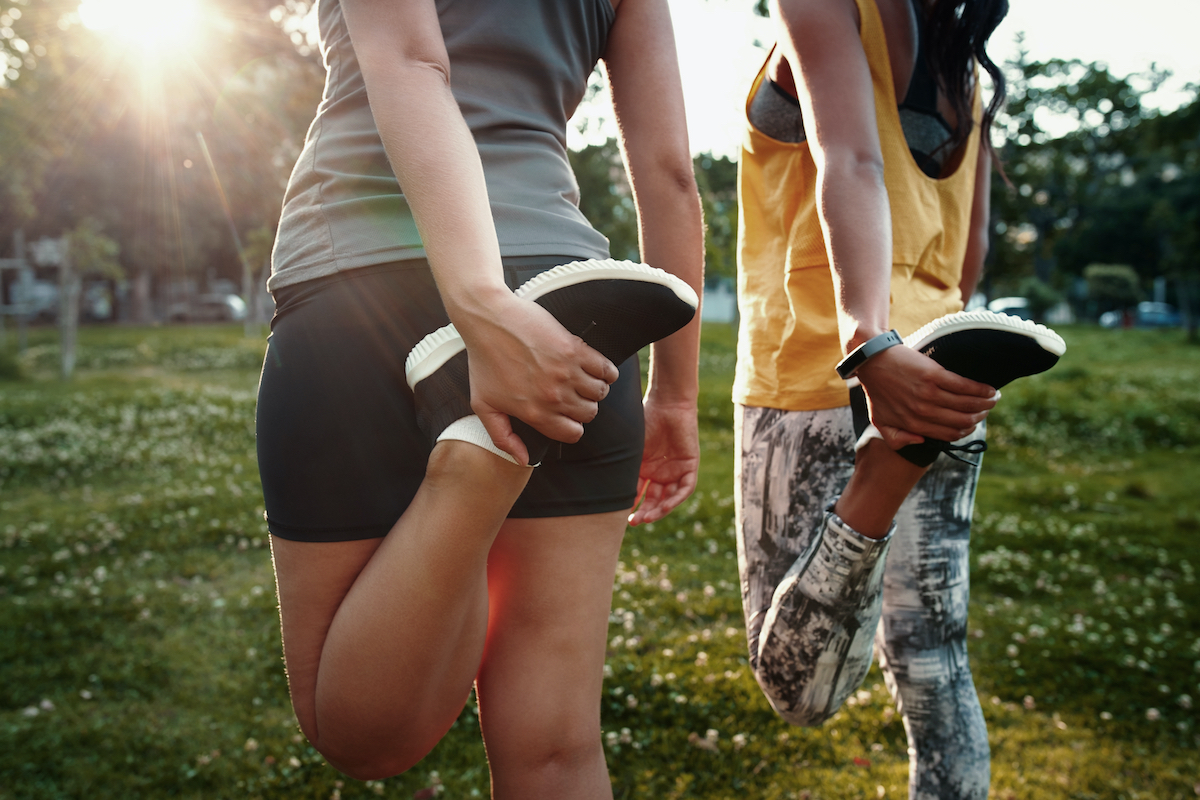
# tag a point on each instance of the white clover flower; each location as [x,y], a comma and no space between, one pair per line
[656,679]
[1152,714]
[739,741]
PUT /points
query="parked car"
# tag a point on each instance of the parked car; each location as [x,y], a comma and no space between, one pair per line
[1014,306]
[1144,315]
[209,308]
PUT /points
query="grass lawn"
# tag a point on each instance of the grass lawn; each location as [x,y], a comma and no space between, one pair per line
[139,642]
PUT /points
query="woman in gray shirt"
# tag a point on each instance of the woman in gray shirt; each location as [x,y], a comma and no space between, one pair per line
[411,567]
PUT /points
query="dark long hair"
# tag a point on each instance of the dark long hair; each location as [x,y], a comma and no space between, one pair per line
[958,32]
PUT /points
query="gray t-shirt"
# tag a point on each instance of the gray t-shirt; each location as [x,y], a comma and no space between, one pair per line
[518,70]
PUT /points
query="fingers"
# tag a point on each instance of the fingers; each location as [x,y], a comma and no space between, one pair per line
[957,384]
[499,427]
[596,365]
[656,500]
[896,438]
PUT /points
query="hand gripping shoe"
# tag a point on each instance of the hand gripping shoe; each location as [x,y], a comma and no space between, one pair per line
[990,348]
[615,307]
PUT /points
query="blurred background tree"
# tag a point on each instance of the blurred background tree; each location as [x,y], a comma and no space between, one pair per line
[1096,177]
[98,125]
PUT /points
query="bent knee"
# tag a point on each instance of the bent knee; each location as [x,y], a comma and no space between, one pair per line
[547,753]
[372,764]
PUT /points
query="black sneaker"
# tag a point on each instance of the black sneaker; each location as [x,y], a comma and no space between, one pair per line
[991,348]
[616,307]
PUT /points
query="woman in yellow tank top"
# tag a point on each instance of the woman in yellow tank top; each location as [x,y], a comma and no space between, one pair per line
[864,182]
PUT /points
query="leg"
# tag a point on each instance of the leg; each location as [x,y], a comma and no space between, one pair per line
[550,586]
[383,637]
[811,641]
[922,641]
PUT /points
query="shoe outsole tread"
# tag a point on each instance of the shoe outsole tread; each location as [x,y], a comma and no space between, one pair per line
[443,344]
[985,320]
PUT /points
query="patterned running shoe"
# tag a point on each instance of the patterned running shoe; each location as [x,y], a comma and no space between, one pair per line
[616,307]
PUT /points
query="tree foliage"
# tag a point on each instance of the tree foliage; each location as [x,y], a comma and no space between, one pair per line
[91,131]
[1097,176]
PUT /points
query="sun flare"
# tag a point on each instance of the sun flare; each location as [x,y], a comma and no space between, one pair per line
[151,24]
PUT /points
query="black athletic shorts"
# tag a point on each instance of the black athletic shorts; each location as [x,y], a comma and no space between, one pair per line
[339,450]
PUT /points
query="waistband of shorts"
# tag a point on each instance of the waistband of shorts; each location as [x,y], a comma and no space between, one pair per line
[517,270]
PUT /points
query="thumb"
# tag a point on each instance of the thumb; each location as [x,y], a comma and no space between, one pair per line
[499,427]
[896,438]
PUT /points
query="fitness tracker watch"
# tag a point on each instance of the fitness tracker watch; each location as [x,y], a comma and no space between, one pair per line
[868,349]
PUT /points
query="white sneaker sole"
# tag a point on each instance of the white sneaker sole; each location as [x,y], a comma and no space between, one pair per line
[429,354]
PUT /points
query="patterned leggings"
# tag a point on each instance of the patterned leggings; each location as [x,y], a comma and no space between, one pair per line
[813,592]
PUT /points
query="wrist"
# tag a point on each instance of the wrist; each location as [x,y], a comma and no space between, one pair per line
[483,301]
[866,351]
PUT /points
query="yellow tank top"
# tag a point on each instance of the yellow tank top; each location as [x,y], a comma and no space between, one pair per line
[788,343]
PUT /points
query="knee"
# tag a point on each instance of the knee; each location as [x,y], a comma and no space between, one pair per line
[547,758]
[373,762]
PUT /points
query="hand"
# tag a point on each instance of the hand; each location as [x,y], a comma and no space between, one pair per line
[911,396]
[670,461]
[523,363]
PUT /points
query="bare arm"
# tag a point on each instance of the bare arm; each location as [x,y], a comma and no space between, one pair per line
[977,242]
[522,362]
[648,101]
[910,396]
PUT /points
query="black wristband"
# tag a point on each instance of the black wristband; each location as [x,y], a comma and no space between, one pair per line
[871,347]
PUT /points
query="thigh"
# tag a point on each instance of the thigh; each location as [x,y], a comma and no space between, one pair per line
[312,580]
[550,590]
[790,466]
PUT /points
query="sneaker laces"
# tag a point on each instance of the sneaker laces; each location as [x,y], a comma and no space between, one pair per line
[973,447]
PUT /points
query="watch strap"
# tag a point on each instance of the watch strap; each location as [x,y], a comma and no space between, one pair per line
[868,349]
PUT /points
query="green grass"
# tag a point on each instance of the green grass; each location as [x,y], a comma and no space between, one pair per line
[139,644]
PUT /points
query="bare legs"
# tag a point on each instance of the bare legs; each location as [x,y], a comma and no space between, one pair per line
[550,583]
[878,486]
[383,638]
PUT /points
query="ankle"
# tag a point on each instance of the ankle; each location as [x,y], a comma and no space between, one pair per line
[878,486]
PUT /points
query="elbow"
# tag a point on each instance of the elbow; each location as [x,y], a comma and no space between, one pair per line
[859,166]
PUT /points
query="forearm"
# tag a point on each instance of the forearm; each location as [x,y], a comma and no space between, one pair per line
[672,239]
[437,164]
[855,217]
[978,239]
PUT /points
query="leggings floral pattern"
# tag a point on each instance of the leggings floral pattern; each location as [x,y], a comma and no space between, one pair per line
[817,595]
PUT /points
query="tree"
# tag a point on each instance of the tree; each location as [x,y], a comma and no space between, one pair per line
[109,134]
[1096,177]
